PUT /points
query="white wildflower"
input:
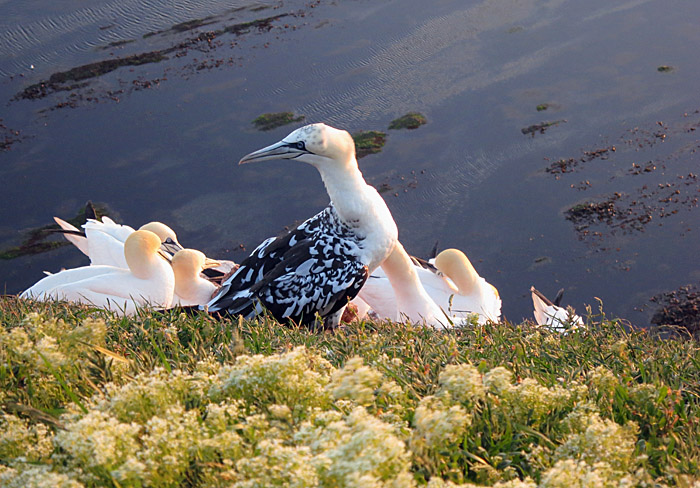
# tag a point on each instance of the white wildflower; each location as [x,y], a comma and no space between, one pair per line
[19,438]
[356,447]
[598,440]
[35,476]
[297,379]
[498,381]
[463,382]
[98,440]
[437,425]
[275,464]
[355,382]
[168,444]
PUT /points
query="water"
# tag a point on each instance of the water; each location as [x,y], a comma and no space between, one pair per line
[468,179]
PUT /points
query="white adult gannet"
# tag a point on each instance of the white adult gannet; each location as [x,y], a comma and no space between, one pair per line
[103,242]
[409,299]
[190,287]
[148,280]
[550,314]
[317,267]
[451,282]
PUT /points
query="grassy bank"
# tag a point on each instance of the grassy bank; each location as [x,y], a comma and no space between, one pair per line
[89,399]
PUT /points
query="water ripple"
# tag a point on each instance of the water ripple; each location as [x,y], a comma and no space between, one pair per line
[55,39]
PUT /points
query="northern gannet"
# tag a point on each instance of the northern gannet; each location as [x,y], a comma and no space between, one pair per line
[103,242]
[190,287]
[409,298]
[451,282]
[317,267]
[149,280]
[550,314]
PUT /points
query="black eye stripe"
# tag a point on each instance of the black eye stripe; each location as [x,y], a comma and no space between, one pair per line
[300,145]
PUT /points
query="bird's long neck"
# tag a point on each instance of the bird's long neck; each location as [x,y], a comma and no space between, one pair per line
[403,276]
[465,277]
[185,281]
[141,265]
[348,190]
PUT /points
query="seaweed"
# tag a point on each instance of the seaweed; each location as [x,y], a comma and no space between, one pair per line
[411,120]
[541,127]
[680,307]
[35,240]
[58,81]
[368,142]
[274,120]
[75,78]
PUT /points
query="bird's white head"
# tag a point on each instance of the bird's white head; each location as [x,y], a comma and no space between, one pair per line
[316,144]
[161,230]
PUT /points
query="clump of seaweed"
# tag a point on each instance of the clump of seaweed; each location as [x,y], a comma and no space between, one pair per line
[8,137]
[542,107]
[412,120]
[368,142]
[541,127]
[271,121]
[680,308]
[36,240]
[78,77]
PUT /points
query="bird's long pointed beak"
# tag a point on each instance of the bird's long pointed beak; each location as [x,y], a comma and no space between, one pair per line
[210,263]
[171,247]
[279,150]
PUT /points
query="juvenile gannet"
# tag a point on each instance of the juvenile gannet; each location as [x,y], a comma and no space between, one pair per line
[148,280]
[317,267]
[451,282]
[190,287]
[550,314]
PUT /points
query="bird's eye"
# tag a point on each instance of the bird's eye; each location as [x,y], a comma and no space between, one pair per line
[300,145]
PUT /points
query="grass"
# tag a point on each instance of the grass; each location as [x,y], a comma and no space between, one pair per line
[163,399]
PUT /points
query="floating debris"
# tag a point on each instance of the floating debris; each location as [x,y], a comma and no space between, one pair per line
[274,120]
[541,127]
[183,26]
[61,81]
[542,107]
[368,142]
[680,308]
[411,120]
[78,77]
[8,137]
[664,69]
[569,165]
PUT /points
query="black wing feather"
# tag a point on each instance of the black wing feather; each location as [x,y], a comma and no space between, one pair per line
[312,269]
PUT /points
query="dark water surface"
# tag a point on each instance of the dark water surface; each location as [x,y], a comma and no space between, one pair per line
[160,141]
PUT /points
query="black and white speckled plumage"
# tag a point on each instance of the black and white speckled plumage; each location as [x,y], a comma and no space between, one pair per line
[317,267]
[313,269]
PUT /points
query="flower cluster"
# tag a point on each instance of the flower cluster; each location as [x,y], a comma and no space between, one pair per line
[293,419]
[296,379]
[356,450]
[19,438]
